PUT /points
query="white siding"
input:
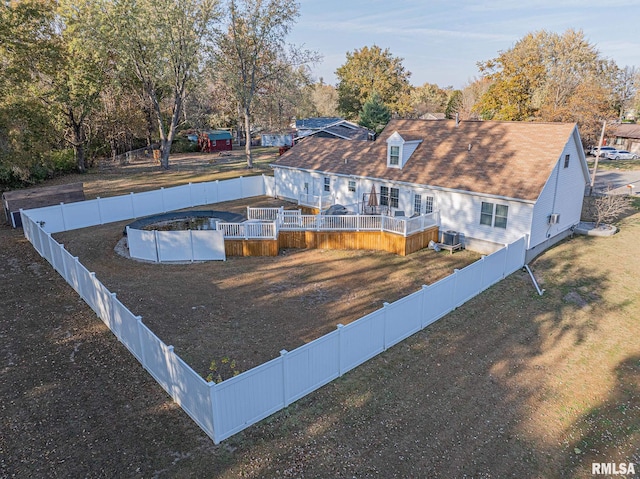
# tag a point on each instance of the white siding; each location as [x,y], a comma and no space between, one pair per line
[461,212]
[562,194]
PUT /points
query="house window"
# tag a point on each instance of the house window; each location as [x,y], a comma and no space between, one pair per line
[394,197]
[417,204]
[566,160]
[306,188]
[228,142]
[352,185]
[500,220]
[394,155]
[327,184]
[494,215]
[384,196]
[428,205]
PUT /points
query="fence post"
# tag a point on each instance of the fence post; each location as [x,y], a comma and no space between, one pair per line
[423,311]
[143,358]
[80,292]
[454,289]
[506,261]
[285,377]
[340,355]
[110,322]
[482,267]
[191,243]
[215,413]
[133,205]
[64,223]
[155,243]
[64,263]
[99,210]
[385,306]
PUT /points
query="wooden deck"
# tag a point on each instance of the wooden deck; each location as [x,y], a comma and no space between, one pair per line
[342,240]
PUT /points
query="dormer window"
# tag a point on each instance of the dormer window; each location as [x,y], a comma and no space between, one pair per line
[399,150]
[394,155]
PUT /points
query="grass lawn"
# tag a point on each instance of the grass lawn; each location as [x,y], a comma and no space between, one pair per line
[511,384]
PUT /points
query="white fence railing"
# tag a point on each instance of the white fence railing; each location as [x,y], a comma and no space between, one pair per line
[224,409]
[249,230]
[294,220]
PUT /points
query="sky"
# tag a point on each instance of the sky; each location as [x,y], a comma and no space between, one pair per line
[441,41]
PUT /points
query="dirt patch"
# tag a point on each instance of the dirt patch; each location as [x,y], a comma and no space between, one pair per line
[248,309]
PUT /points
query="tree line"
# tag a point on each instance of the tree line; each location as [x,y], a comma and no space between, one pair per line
[82,79]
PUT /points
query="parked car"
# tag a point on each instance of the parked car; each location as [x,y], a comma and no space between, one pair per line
[603,150]
[621,155]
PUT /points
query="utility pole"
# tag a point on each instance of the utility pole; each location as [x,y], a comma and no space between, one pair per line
[595,166]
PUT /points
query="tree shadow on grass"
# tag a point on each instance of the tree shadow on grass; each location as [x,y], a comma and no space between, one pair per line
[609,432]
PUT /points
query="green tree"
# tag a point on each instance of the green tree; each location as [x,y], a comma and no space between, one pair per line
[252,53]
[369,70]
[375,114]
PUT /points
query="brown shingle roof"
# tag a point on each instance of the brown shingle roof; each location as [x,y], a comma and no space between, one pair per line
[627,130]
[510,159]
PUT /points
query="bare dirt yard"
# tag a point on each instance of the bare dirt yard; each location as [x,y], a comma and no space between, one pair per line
[511,384]
[247,309]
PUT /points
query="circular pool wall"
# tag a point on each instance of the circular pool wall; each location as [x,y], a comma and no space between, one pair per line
[147,222]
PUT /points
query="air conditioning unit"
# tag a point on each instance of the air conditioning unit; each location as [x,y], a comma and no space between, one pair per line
[554,218]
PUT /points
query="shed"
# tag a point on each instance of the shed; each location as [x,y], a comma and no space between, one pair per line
[217,140]
[14,201]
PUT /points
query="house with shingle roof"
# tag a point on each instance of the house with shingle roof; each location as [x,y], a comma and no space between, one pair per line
[626,136]
[331,127]
[492,182]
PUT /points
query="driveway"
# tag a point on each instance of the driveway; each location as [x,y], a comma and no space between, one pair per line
[618,180]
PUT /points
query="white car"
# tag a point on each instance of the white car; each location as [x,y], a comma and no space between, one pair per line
[621,155]
[604,150]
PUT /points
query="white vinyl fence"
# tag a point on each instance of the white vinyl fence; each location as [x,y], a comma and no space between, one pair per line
[172,246]
[224,409]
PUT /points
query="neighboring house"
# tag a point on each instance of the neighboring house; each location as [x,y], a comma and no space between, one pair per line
[276,139]
[217,140]
[331,127]
[627,137]
[492,182]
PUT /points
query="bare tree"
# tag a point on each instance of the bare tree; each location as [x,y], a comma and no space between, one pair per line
[252,52]
[608,207]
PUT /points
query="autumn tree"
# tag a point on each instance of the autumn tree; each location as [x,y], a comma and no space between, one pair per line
[429,98]
[325,99]
[544,76]
[251,52]
[369,70]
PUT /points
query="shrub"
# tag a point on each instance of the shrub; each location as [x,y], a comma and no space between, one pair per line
[183,145]
[62,161]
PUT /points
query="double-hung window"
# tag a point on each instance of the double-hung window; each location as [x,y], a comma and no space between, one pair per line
[384,196]
[495,215]
[394,197]
[394,155]
[327,184]
[352,185]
